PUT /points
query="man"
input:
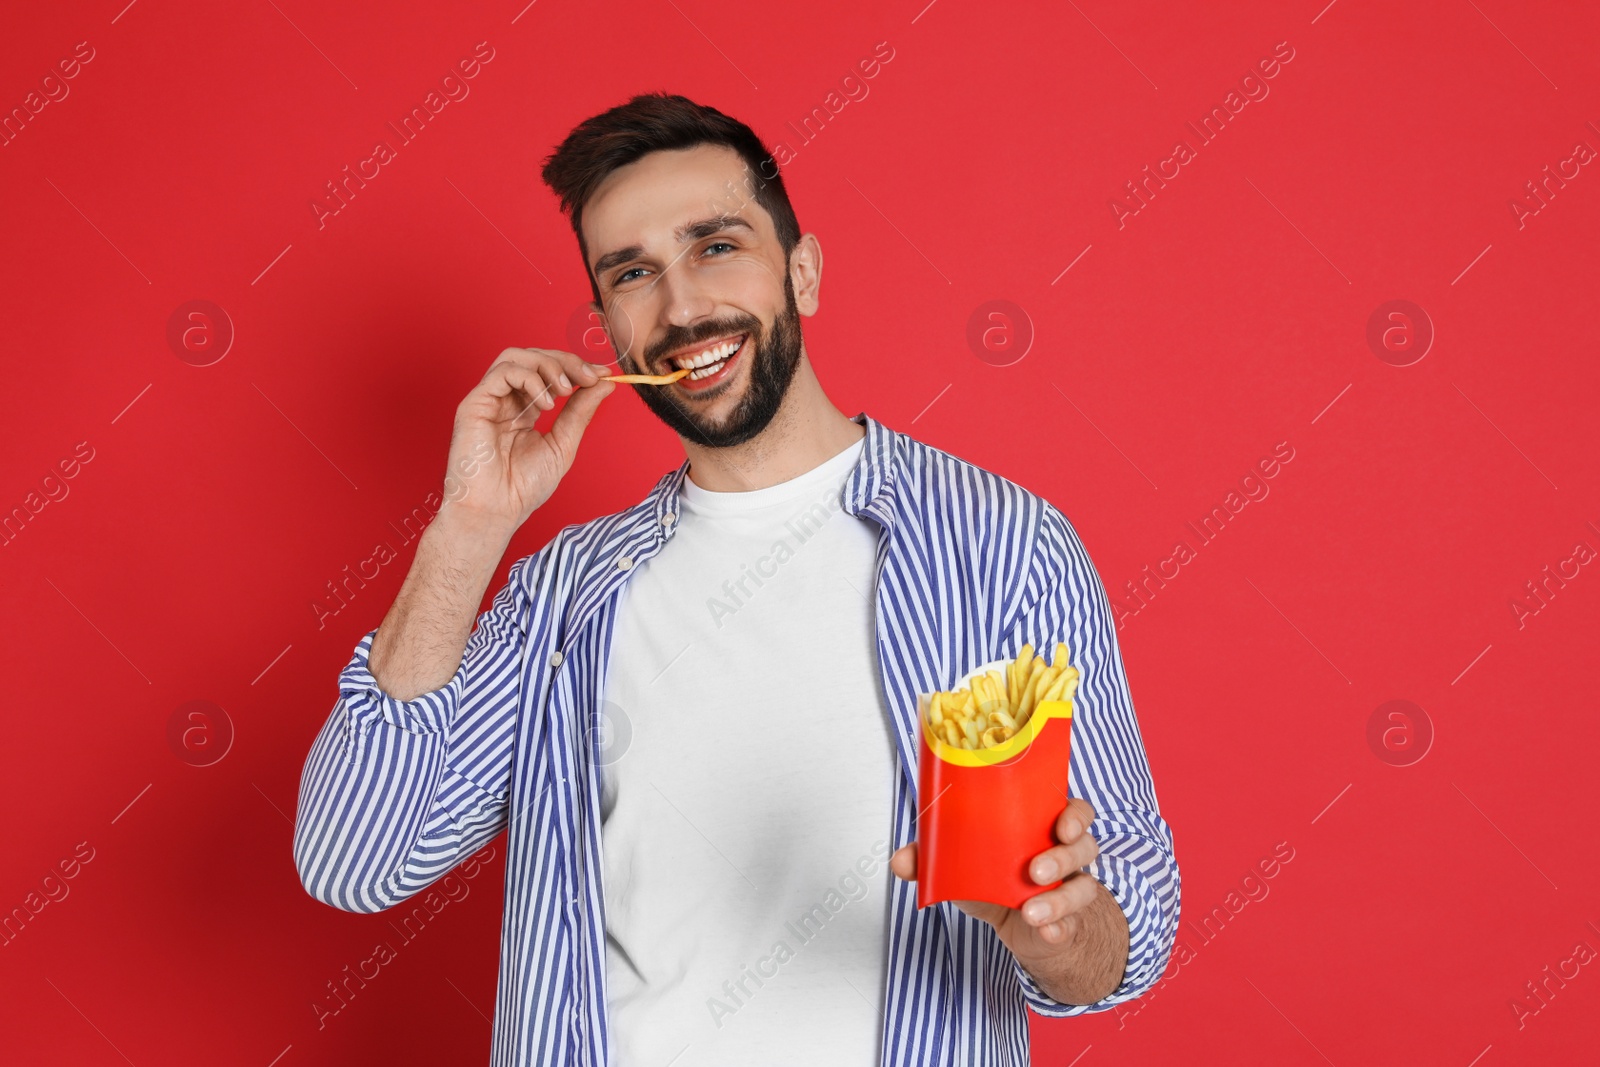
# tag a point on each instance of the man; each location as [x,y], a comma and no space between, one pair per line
[697,717]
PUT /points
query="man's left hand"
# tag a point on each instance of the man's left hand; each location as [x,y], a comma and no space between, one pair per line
[1045,932]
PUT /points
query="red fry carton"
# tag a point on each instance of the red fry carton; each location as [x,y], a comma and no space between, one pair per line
[986,813]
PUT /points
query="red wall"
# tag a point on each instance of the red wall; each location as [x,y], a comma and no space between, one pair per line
[1226,317]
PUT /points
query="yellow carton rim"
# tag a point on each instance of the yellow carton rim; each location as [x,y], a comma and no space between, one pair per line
[1012,746]
[1008,749]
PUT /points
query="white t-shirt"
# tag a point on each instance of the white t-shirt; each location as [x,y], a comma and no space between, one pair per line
[746,820]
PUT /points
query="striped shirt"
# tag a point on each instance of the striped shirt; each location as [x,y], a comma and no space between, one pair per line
[970,566]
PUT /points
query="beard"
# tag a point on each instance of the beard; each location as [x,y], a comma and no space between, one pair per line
[772,366]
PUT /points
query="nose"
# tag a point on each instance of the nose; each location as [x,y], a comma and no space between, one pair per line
[684,298]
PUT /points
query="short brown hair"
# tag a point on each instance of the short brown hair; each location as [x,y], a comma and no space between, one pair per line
[653,122]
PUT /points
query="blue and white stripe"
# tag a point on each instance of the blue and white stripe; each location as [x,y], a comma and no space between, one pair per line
[970,566]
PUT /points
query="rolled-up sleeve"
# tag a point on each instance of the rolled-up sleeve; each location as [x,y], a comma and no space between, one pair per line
[1109,769]
[394,793]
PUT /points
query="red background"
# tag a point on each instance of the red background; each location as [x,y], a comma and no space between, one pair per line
[1179,349]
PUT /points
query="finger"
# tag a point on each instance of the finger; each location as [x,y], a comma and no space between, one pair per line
[1055,862]
[1069,898]
[562,371]
[567,430]
[578,372]
[553,380]
[551,369]
[522,387]
[904,862]
[1074,820]
[993,914]
[522,357]
[507,393]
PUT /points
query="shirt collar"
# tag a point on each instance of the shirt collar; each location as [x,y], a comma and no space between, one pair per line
[869,489]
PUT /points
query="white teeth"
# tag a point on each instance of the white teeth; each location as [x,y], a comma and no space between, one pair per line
[709,356]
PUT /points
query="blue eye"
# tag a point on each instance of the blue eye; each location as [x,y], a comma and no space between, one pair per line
[628,275]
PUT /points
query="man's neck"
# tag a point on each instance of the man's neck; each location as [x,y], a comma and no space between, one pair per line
[806,432]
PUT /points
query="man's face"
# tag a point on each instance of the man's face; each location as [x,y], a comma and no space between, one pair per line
[690,270]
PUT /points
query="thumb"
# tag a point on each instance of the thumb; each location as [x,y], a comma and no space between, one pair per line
[904,862]
[574,418]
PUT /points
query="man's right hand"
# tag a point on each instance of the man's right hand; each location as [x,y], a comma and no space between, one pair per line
[500,467]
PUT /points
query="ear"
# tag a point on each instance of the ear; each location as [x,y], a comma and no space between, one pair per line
[805,273]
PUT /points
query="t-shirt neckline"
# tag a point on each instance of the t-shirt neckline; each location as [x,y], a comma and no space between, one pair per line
[836,468]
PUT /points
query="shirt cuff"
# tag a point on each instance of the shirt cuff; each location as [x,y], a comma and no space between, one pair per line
[366,704]
[1150,933]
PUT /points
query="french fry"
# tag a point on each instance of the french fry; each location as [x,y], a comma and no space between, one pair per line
[997,692]
[1067,682]
[983,691]
[997,704]
[1017,673]
[1040,685]
[645,379]
[979,688]
[1026,699]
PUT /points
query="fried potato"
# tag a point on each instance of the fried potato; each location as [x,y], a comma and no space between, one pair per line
[995,705]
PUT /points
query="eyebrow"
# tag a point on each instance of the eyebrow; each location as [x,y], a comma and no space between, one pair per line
[689,231]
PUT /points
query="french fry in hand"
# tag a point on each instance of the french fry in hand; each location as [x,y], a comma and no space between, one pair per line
[645,379]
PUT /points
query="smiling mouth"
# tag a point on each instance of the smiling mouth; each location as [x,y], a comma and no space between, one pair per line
[709,361]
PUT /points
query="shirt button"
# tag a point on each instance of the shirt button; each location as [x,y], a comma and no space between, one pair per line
[555,659]
[668,519]
[624,562]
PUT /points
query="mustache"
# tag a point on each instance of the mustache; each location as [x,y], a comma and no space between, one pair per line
[681,337]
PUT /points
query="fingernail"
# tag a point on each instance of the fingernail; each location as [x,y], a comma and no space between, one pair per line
[1045,871]
[596,368]
[1074,829]
[566,383]
[1035,911]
